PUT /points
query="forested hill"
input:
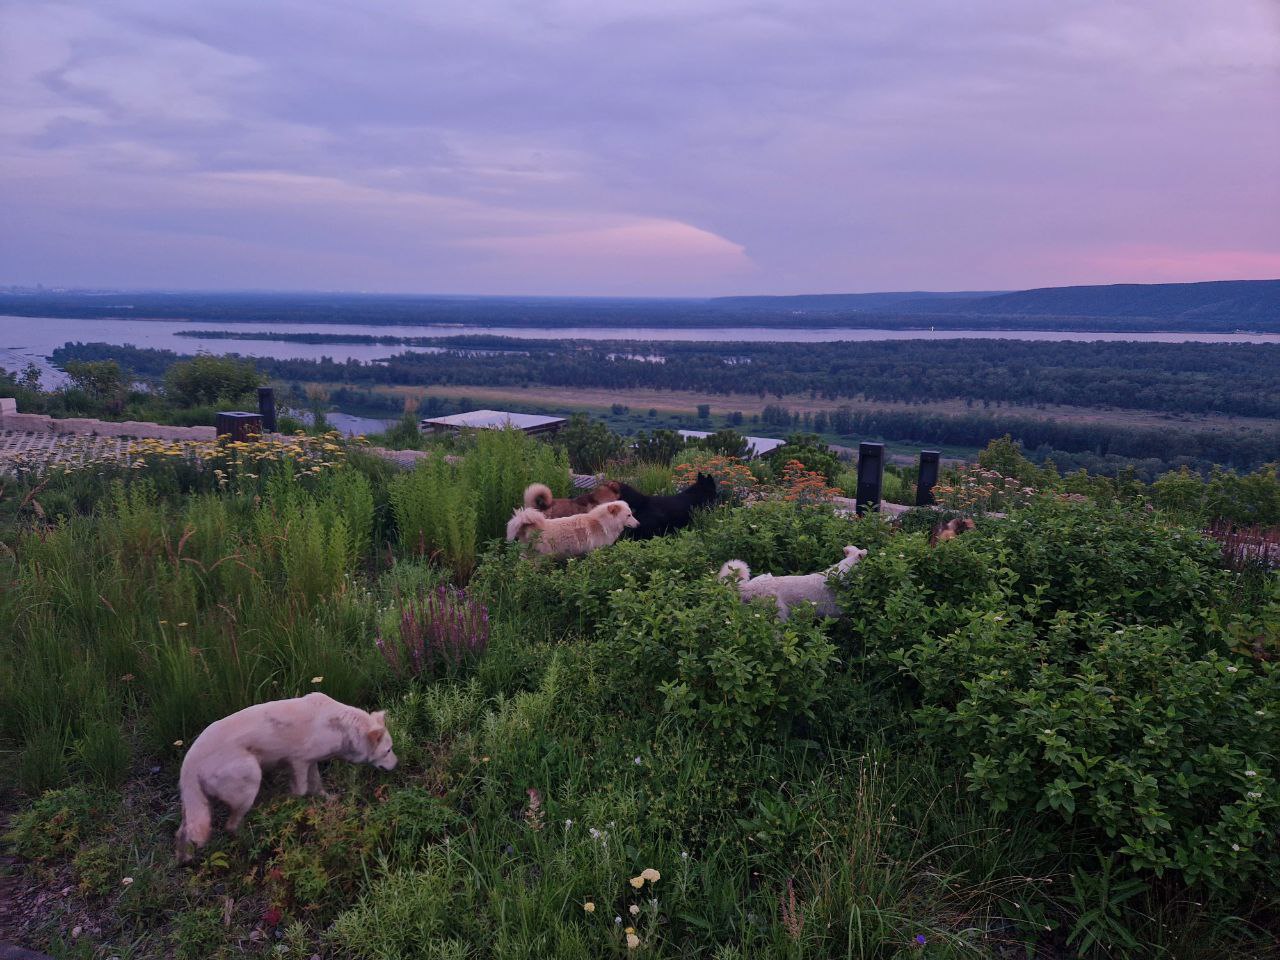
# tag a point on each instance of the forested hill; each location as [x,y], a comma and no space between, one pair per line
[1226,301]
[1221,306]
[846,302]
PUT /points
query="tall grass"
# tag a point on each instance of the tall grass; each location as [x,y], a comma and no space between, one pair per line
[450,505]
[185,611]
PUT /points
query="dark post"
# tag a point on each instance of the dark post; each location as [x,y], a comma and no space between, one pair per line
[870,476]
[267,409]
[238,425]
[927,477]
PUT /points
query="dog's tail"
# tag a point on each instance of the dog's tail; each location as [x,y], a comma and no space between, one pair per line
[537,496]
[197,819]
[522,520]
[735,570]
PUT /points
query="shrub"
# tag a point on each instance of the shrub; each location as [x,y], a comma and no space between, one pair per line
[710,659]
[659,447]
[1106,559]
[589,443]
[575,596]
[779,537]
[733,478]
[206,379]
[727,443]
[809,450]
[1126,732]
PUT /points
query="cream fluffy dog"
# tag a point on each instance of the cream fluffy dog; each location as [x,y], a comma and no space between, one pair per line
[226,761]
[789,591]
[571,536]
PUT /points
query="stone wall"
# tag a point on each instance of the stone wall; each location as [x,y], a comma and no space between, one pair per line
[11,419]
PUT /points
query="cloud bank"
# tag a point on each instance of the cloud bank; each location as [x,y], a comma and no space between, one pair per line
[658,148]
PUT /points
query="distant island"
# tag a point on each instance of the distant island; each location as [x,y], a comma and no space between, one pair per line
[1214,306]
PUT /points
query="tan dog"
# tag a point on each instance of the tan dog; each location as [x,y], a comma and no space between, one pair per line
[226,761]
[786,592]
[537,496]
[950,530]
[571,536]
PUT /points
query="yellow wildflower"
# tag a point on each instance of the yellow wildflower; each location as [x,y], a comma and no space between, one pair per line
[637,882]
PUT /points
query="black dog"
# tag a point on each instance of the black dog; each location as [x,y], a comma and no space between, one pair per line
[659,515]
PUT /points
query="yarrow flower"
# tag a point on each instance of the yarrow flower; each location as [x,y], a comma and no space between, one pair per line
[632,941]
[317,679]
[1251,773]
[637,882]
[589,907]
[634,910]
[650,874]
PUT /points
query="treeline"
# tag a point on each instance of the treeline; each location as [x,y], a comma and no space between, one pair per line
[1194,378]
[1063,309]
[1080,443]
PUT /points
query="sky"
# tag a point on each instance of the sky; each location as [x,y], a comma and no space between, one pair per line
[651,148]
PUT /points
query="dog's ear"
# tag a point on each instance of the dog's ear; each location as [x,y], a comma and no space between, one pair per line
[615,508]
[614,486]
[850,551]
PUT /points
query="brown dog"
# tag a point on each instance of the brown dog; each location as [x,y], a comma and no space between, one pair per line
[537,496]
[950,530]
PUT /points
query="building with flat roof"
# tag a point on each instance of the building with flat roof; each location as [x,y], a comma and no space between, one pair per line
[530,423]
[756,446]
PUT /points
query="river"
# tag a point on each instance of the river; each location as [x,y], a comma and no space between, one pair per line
[26,340]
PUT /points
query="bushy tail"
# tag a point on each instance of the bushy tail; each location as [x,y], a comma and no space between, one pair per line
[538,496]
[737,570]
[197,819]
[522,520]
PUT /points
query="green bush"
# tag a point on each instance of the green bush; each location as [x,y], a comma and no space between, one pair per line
[784,538]
[692,646]
[588,443]
[1167,756]
[205,380]
[1106,559]
[811,451]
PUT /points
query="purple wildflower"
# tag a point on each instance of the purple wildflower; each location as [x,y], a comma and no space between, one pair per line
[440,630]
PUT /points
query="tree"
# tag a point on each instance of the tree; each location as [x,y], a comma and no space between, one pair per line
[728,443]
[101,380]
[704,411]
[205,379]
[659,447]
[589,443]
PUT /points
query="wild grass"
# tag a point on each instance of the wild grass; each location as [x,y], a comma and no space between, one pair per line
[572,767]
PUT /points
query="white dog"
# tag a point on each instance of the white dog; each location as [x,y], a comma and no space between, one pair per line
[571,536]
[789,591]
[227,759]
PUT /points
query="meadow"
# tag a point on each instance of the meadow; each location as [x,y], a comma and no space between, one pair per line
[1054,736]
